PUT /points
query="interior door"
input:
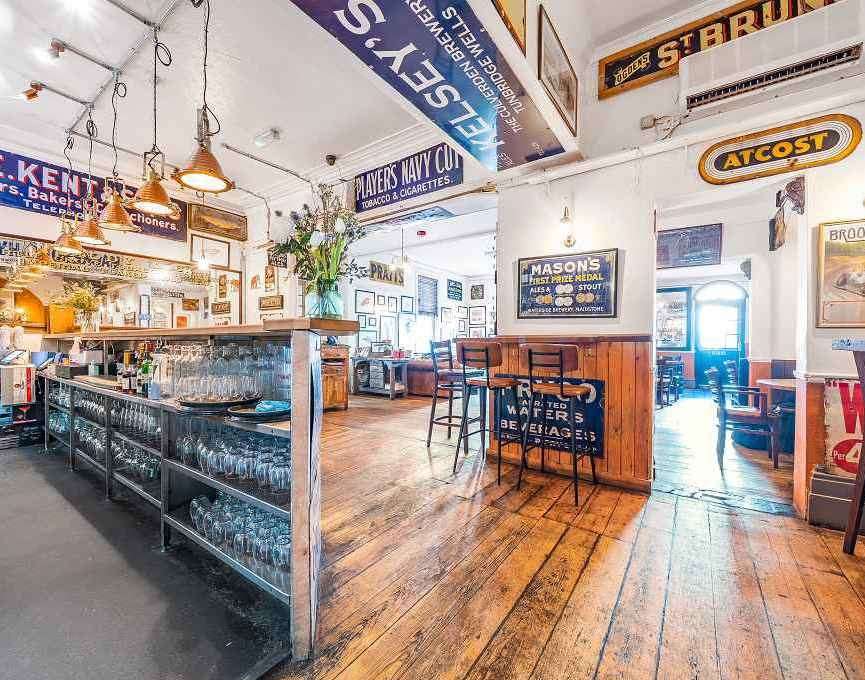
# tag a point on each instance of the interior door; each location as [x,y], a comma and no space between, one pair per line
[720,336]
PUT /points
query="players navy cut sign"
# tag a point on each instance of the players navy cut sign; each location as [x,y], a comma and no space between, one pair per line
[424,172]
[438,55]
[568,286]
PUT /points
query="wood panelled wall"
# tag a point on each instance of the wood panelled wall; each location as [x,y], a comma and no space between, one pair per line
[625,364]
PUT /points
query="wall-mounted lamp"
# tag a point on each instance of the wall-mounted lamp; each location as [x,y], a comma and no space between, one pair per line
[569,241]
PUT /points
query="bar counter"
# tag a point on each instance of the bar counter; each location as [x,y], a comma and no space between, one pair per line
[624,363]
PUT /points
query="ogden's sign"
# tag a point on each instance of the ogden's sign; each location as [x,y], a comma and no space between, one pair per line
[809,143]
[421,173]
[438,55]
[659,57]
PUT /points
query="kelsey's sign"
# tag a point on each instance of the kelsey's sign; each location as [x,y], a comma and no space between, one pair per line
[379,271]
[568,286]
[421,173]
[659,57]
[36,186]
[437,54]
[812,142]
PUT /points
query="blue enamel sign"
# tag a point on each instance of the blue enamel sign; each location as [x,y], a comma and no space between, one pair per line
[35,186]
[421,173]
[437,54]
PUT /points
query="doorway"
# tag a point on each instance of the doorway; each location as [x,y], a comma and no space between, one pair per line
[721,323]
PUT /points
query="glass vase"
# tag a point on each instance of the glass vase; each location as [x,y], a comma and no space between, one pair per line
[88,322]
[324,303]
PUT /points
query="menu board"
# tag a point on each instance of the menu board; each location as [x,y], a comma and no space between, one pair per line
[575,285]
[690,247]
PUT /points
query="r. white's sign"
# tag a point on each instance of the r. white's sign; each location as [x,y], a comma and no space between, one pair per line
[843,405]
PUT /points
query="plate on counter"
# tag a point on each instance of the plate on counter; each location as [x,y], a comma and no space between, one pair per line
[249,413]
[218,405]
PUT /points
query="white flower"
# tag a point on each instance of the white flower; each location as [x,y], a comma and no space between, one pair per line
[316,239]
[339,226]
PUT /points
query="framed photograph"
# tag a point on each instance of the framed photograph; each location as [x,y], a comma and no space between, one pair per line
[190,304]
[361,321]
[215,221]
[214,251]
[364,302]
[477,316]
[477,292]
[462,312]
[366,338]
[462,325]
[446,315]
[555,71]
[371,321]
[380,300]
[255,282]
[392,305]
[270,284]
[222,287]
[477,331]
[841,275]
[673,319]
[388,330]
[181,321]
[270,302]
[406,304]
[513,13]
[690,246]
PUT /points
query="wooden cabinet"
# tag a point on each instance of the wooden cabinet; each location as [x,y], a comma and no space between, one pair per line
[334,376]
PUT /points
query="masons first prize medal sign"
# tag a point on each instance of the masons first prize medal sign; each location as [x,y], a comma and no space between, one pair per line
[794,147]
[569,286]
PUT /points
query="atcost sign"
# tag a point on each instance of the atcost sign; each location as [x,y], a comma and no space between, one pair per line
[659,57]
[812,142]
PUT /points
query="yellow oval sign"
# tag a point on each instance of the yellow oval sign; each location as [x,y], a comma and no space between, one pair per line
[807,144]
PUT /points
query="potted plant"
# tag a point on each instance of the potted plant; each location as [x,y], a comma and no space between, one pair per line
[84,299]
[319,241]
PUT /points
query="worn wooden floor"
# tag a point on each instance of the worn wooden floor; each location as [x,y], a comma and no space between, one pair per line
[431,576]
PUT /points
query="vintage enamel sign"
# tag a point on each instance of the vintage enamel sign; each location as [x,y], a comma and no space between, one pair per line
[807,144]
[659,57]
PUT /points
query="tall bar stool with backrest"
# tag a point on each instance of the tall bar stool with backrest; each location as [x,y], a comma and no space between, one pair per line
[482,355]
[449,380]
[547,367]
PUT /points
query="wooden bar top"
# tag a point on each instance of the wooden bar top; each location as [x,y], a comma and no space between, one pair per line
[571,339]
[785,384]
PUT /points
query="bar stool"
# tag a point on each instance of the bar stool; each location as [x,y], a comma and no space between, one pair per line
[553,361]
[448,380]
[480,354]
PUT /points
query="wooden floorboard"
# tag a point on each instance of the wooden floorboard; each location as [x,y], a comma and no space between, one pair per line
[431,575]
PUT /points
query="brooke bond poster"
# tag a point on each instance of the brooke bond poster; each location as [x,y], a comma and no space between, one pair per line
[843,404]
[659,57]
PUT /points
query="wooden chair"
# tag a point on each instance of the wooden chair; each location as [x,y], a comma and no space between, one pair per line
[747,414]
[448,380]
[731,368]
[547,367]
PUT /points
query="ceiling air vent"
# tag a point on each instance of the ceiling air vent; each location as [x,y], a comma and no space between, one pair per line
[776,76]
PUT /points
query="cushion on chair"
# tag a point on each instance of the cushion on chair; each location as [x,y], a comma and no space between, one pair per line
[744,413]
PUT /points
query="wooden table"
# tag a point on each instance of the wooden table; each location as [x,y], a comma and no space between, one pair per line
[780,384]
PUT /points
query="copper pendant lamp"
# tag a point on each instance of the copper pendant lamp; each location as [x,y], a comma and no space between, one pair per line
[115,217]
[66,243]
[90,233]
[203,173]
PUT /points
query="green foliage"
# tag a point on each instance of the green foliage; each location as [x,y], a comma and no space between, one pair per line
[80,296]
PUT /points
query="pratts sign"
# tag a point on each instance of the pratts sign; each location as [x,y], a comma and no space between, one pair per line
[659,57]
[809,143]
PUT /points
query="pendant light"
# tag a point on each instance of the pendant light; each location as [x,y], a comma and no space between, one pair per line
[114,216]
[151,197]
[66,243]
[89,232]
[203,174]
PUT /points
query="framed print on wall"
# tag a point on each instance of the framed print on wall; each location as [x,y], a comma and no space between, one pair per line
[462,325]
[477,291]
[215,252]
[361,321]
[477,331]
[380,300]
[477,316]
[406,304]
[388,330]
[673,319]
[841,275]
[364,302]
[269,279]
[371,321]
[462,312]
[513,13]
[556,72]
[392,305]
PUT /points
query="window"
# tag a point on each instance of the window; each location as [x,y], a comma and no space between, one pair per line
[427,314]
[718,291]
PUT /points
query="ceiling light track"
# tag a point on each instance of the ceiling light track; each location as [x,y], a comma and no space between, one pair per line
[258,159]
[59,46]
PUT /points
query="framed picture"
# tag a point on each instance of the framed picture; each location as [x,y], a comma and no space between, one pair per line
[371,321]
[673,319]
[513,13]
[406,304]
[388,330]
[144,309]
[477,292]
[270,284]
[477,331]
[841,275]
[181,321]
[392,305]
[462,312]
[255,282]
[270,302]
[455,290]
[690,246]
[555,71]
[366,338]
[222,287]
[462,325]
[214,251]
[190,304]
[380,300]
[364,302]
[361,321]
[446,315]
[477,316]
[215,221]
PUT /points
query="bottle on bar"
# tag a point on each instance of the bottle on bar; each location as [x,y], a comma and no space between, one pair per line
[128,382]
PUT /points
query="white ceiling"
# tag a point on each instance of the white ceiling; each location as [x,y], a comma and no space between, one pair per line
[610,20]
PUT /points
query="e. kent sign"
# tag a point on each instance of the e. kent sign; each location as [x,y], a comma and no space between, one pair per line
[659,57]
[807,144]
[421,173]
[438,55]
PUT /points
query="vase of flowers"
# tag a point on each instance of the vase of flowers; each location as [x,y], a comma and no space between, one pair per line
[84,299]
[319,241]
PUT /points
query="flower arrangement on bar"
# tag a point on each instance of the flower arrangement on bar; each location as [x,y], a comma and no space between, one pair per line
[84,298]
[319,241]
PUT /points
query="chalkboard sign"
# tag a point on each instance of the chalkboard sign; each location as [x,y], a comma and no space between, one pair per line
[455,290]
[576,285]
[589,417]
[690,247]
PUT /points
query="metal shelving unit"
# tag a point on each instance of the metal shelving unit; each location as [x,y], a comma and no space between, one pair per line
[138,488]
